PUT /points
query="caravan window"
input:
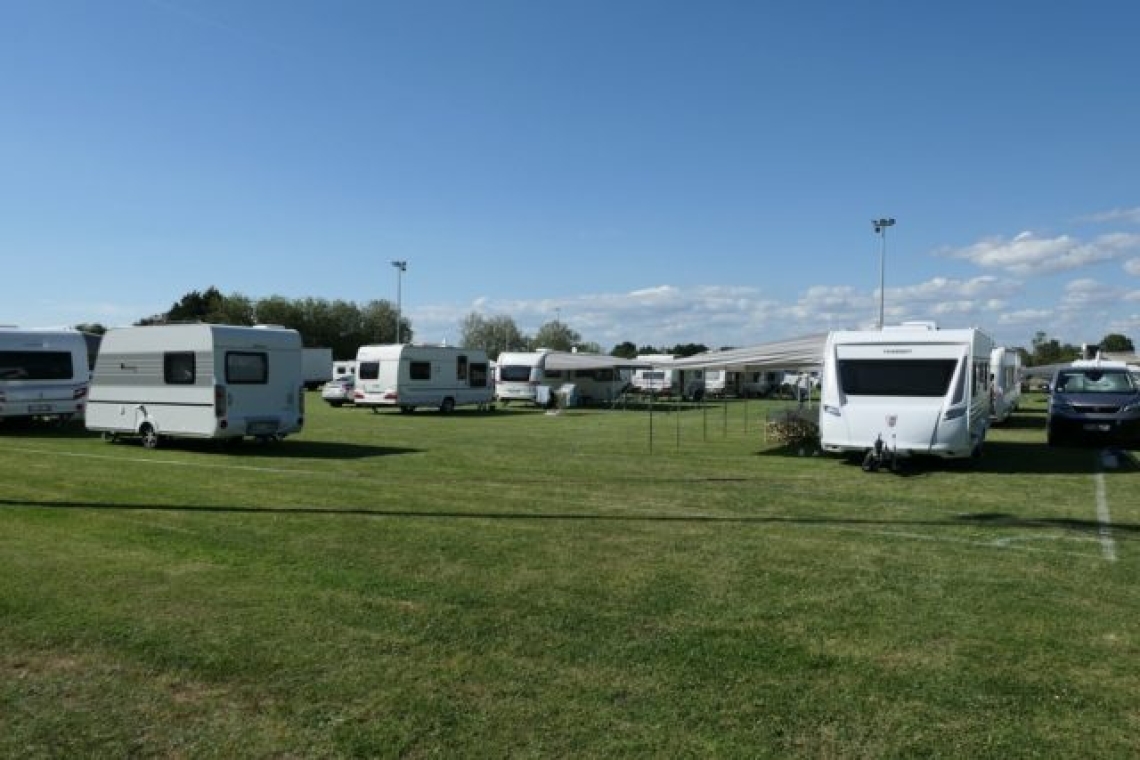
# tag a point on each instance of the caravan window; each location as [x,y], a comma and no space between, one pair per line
[179,368]
[478,377]
[461,368]
[896,377]
[514,373]
[35,365]
[368,371]
[419,370]
[246,368]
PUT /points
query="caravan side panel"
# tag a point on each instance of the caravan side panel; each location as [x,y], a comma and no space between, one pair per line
[199,381]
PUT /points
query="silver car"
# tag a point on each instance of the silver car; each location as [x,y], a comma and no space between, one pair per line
[340,390]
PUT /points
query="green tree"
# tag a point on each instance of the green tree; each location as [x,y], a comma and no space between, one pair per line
[494,334]
[556,335]
[94,328]
[1048,350]
[1117,343]
[625,350]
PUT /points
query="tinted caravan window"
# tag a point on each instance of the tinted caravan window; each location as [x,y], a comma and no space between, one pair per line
[36,365]
[895,377]
[247,368]
[179,368]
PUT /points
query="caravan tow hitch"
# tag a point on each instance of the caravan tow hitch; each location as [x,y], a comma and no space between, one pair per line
[879,457]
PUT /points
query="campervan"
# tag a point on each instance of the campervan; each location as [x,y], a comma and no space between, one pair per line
[910,390]
[408,376]
[43,373]
[518,375]
[342,368]
[1005,378]
[197,381]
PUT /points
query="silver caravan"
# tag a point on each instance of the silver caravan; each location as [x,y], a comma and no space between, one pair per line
[409,376]
[1005,377]
[43,373]
[198,381]
[906,390]
[518,375]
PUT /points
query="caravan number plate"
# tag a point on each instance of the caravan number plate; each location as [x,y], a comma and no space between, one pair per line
[39,408]
[262,428]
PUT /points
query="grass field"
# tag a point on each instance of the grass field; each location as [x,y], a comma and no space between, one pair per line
[520,584]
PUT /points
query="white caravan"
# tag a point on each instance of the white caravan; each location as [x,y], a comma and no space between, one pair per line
[661,379]
[340,369]
[518,375]
[1005,378]
[907,390]
[407,376]
[43,373]
[197,381]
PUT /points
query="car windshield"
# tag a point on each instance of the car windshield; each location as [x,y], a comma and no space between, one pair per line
[1094,381]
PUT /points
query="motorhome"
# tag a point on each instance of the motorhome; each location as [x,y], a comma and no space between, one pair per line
[408,376]
[1005,379]
[198,381]
[910,390]
[519,374]
[43,373]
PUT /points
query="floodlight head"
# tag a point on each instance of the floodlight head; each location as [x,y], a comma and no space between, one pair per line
[401,265]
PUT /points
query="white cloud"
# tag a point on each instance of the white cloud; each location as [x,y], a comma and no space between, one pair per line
[1026,254]
[1129,215]
[1132,266]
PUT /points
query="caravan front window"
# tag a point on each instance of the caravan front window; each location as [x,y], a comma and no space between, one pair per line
[896,377]
[419,370]
[35,365]
[514,373]
[246,368]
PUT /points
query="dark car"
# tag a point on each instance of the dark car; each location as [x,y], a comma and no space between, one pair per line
[1093,400]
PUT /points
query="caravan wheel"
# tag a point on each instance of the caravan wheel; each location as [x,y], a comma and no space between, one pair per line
[149,436]
[448,405]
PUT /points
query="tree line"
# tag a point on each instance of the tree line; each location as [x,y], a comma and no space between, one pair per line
[344,326]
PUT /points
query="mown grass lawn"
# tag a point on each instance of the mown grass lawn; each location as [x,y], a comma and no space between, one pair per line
[516,583]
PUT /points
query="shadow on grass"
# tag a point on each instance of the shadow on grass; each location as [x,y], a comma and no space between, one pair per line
[986,519]
[287,449]
[999,457]
[44,430]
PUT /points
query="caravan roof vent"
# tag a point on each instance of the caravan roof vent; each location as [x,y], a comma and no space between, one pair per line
[913,326]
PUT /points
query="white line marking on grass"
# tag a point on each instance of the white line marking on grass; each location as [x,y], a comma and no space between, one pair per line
[172,462]
[1107,544]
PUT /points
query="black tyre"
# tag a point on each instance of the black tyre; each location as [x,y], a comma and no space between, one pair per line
[149,436]
[448,405]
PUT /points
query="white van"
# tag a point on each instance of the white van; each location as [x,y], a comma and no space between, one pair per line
[1005,388]
[518,375]
[43,373]
[198,381]
[911,389]
[407,376]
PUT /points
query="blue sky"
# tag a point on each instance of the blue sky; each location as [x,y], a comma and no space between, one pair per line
[661,172]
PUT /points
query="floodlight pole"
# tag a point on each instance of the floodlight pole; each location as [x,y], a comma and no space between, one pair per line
[881,230]
[401,267]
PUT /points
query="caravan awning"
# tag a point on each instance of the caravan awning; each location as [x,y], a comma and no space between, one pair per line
[804,353]
[563,360]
